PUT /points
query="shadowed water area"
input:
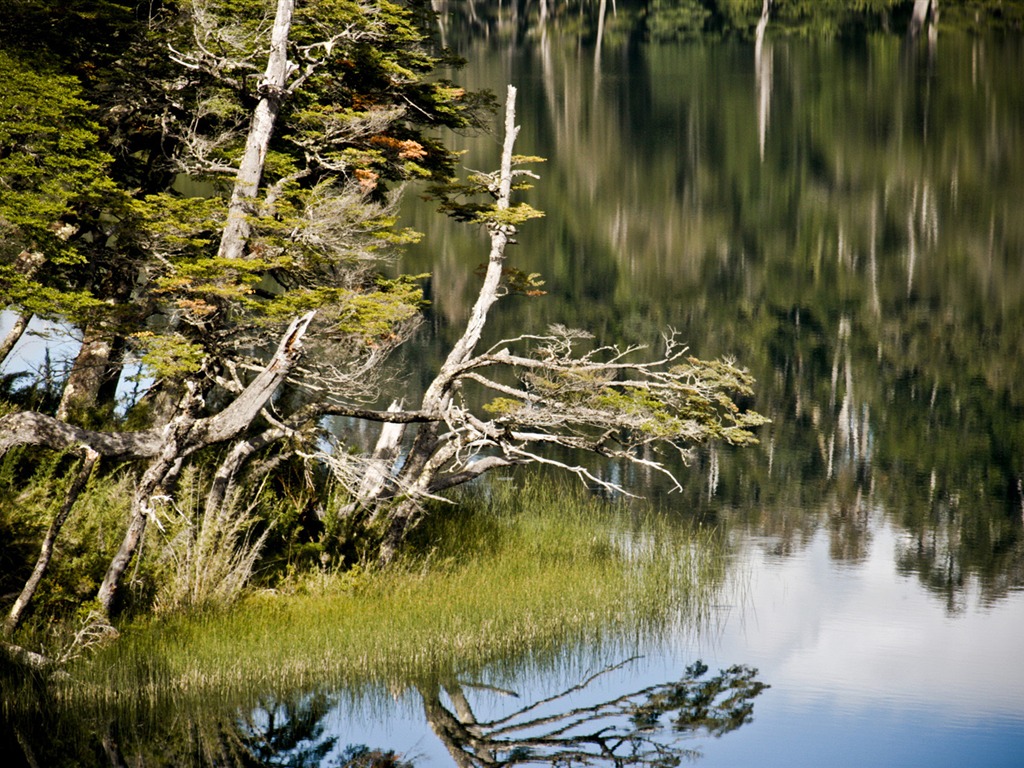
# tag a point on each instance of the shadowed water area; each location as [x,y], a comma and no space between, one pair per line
[844,218]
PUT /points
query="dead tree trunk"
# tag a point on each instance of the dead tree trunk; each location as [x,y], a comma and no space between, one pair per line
[570,393]
[421,466]
[222,488]
[159,476]
[272,92]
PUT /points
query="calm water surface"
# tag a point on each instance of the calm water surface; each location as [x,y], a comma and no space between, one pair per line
[845,218]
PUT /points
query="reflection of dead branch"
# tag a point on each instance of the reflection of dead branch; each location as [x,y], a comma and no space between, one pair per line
[643,727]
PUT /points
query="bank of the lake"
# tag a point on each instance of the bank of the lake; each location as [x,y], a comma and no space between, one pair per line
[512,577]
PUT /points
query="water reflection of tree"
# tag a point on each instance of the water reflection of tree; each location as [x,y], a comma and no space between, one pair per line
[667,20]
[643,727]
[291,733]
[630,729]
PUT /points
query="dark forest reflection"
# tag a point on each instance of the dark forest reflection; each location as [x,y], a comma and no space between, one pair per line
[652,725]
[839,216]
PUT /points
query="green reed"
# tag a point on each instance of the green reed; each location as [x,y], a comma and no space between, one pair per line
[511,573]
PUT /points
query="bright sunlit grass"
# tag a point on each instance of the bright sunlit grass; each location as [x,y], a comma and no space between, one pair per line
[511,574]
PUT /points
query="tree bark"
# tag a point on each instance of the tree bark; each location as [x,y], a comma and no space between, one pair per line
[224,480]
[400,518]
[500,236]
[31,428]
[161,471]
[89,383]
[46,550]
[250,171]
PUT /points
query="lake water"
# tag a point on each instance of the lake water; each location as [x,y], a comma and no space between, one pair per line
[846,219]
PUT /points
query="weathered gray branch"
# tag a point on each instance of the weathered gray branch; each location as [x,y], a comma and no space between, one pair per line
[570,393]
[31,428]
[476,469]
[272,93]
[437,392]
[222,486]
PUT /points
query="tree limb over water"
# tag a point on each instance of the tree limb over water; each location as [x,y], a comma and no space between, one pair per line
[209,283]
[557,389]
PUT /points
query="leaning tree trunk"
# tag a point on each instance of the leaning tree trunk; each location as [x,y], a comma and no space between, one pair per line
[218,499]
[421,465]
[46,550]
[13,336]
[159,476]
[234,237]
[272,93]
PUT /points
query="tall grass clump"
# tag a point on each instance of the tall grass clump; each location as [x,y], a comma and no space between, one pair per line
[193,556]
[206,553]
[511,574]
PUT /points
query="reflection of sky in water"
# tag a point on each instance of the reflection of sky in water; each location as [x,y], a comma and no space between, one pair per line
[866,668]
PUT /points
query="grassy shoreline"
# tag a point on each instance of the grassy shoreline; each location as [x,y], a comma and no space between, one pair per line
[515,580]
[510,574]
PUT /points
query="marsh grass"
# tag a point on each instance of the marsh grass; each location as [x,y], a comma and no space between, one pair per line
[511,575]
[205,556]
